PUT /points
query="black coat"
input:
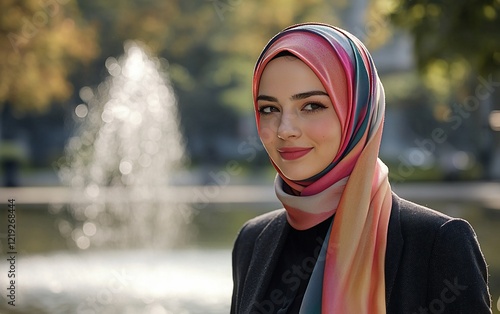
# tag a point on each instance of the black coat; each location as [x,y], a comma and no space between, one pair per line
[433,262]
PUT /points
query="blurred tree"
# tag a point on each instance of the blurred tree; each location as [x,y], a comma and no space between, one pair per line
[453,39]
[41,43]
[458,54]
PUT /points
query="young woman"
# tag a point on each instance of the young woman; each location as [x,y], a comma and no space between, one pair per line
[344,242]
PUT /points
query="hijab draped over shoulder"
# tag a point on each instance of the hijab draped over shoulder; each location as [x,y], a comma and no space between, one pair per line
[349,274]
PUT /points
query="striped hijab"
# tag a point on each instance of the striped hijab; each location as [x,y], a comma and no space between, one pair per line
[349,273]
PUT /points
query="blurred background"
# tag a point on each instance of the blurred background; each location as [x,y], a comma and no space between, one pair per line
[127,137]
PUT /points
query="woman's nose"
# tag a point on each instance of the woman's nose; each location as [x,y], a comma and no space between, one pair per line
[288,127]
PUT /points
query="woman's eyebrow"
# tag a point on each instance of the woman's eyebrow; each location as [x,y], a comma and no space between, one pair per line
[268,98]
[294,97]
[308,94]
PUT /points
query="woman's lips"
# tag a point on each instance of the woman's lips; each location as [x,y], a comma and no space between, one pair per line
[292,153]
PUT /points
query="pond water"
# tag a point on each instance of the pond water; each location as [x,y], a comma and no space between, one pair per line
[177,281]
[54,276]
[193,277]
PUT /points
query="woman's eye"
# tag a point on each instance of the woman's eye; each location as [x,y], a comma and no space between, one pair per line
[267,109]
[313,107]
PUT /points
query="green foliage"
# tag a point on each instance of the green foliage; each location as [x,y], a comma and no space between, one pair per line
[452,39]
[41,43]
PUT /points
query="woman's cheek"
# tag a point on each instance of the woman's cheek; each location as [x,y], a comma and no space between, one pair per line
[317,131]
[267,130]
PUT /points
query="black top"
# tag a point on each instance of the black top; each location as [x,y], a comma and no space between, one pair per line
[294,267]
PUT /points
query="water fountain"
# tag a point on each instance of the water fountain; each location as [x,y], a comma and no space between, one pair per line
[124,225]
[126,152]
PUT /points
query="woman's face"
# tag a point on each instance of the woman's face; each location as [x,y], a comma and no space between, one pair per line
[298,124]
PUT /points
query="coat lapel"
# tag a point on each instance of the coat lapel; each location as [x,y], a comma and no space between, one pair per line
[267,250]
[394,248]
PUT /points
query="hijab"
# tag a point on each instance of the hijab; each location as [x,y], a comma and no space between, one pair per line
[349,273]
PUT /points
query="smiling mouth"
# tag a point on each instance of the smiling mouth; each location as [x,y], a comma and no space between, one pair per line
[292,153]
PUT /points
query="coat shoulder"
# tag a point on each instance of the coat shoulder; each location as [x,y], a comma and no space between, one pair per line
[255,226]
[416,218]
[426,252]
